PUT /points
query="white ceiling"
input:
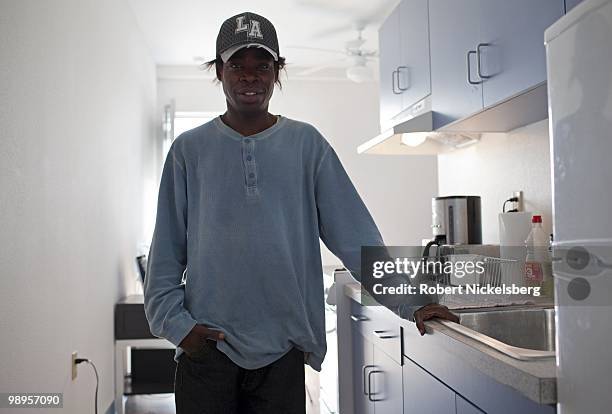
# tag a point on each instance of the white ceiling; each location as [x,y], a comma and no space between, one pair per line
[180,30]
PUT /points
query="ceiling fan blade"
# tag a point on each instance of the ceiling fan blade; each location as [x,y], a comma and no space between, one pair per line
[370,54]
[355,43]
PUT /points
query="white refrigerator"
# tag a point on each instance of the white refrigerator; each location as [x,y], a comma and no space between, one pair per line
[579,64]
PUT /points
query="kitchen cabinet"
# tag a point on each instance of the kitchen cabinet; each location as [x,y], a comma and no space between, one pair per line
[456,58]
[377,384]
[570,4]
[484,51]
[387,383]
[423,393]
[426,378]
[414,74]
[463,406]
[363,364]
[511,45]
[404,58]
[389,60]
[454,27]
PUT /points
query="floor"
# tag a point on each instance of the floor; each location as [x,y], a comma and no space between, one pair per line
[150,404]
[164,404]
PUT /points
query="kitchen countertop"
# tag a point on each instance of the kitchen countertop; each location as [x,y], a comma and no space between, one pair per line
[534,379]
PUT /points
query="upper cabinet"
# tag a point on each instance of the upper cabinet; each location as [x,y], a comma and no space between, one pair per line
[454,30]
[463,56]
[485,51]
[404,59]
[414,74]
[390,60]
[510,50]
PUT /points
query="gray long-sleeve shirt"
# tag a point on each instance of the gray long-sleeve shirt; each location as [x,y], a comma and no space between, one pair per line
[236,241]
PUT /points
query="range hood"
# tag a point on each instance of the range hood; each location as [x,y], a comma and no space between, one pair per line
[423,131]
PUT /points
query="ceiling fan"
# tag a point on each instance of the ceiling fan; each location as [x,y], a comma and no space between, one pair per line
[357,71]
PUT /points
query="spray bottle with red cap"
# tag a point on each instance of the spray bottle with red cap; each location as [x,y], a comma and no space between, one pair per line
[538,265]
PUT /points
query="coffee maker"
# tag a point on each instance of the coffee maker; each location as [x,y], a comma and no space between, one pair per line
[455,221]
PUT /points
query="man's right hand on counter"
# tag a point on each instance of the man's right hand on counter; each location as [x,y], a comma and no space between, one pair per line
[433,310]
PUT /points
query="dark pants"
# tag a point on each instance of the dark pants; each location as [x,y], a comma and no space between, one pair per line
[208,382]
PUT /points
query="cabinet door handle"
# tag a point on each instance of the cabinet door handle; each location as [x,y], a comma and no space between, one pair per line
[363,370]
[478,65]
[384,334]
[469,70]
[395,72]
[399,68]
[359,318]
[370,393]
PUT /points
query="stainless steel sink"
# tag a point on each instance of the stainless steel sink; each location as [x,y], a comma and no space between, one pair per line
[523,333]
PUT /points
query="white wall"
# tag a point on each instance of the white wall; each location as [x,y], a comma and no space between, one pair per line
[497,166]
[78,118]
[396,189]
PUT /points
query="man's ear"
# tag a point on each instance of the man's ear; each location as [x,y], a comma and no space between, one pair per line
[219,70]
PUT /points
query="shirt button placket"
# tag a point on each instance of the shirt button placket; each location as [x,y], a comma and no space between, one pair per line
[249,165]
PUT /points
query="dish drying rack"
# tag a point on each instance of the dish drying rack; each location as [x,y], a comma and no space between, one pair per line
[496,270]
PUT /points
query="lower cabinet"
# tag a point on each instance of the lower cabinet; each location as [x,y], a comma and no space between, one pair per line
[423,393]
[464,406]
[386,380]
[377,387]
[570,4]
[363,363]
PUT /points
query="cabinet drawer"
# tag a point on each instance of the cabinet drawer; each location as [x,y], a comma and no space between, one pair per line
[362,318]
[423,393]
[379,325]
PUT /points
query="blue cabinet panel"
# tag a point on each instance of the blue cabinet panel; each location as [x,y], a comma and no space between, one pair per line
[511,53]
[387,384]
[414,74]
[423,393]
[465,407]
[363,362]
[570,4]
[390,60]
[454,28]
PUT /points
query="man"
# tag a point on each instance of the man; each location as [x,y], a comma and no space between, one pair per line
[243,201]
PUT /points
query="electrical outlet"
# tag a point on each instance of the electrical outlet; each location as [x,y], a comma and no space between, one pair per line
[74,365]
[519,203]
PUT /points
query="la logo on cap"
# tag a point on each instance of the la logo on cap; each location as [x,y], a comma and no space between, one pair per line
[252,28]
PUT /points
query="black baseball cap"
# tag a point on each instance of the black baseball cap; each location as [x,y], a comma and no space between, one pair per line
[246,30]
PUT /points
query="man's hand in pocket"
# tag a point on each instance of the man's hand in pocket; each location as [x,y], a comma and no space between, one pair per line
[197,337]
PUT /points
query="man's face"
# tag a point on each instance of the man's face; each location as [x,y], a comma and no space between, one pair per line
[248,79]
